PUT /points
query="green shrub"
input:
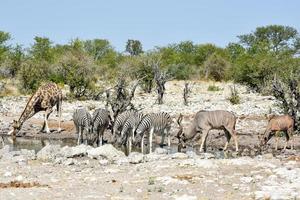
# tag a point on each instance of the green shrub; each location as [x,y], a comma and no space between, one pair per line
[78,73]
[213,88]
[180,71]
[234,96]
[32,73]
[215,67]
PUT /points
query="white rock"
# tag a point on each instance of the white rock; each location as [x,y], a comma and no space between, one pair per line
[7,174]
[185,197]
[246,179]
[161,151]
[19,178]
[135,157]
[49,152]
[179,155]
[106,151]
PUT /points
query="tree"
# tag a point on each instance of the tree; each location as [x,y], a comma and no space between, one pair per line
[289,96]
[101,50]
[120,99]
[16,57]
[4,48]
[275,38]
[42,49]
[215,67]
[134,47]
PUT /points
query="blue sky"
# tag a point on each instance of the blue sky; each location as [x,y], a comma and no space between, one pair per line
[154,23]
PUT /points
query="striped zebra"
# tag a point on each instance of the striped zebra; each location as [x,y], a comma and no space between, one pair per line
[129,128]
[119,123]
[155,123]
[100,121]
[83,123]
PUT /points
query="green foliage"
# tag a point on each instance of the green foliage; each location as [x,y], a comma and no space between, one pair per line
[78,73]
[234,96]
[215,67]
[180,71]
[16,58]
[32,73]
[42,49]
[275,38]
[213,88]
[134,47]
[4,48]
[151,181]
[267,52]
[101,51]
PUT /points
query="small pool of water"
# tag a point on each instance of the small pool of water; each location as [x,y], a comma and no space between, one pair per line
[37,144]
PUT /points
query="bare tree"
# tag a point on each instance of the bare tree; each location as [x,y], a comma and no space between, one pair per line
[160,77]
[289,96]
[186,92]
[120,99]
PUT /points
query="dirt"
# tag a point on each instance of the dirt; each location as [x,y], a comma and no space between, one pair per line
[250,174]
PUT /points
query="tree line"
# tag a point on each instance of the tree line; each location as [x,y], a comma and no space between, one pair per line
[256,60]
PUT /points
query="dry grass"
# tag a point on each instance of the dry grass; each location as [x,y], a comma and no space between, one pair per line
[19,184]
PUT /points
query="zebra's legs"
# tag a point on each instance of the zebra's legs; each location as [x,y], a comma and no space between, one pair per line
[162,138]
[85,133]
[79,136]
[150,140]
[129,145]
[142,143]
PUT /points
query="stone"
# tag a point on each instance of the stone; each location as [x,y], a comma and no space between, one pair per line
[29,154]
[160,151]
[49,152]
[246,180]
[135,157]
[179,156]
[76,151]
[268,156]
[206,155]
[8,174]
[103,162]
[69,161]
[106,151]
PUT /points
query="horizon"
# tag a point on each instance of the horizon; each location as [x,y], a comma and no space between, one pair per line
[153,23]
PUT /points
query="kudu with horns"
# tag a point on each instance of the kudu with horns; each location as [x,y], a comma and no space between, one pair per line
[205,121]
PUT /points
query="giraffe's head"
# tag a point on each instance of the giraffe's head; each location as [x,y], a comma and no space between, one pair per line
[16,128]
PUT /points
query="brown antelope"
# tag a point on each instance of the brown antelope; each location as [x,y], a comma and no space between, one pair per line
[276,124]
[205,121]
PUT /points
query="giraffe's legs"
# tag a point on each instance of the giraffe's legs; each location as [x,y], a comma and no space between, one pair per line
[46,116]
[59,115]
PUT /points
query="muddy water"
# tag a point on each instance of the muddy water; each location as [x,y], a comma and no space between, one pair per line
[37,144]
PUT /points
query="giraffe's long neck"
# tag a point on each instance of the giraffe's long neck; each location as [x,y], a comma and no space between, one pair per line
[29,109]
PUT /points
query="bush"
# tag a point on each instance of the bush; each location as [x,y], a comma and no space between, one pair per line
[215,67]
[78,73]
[234,96]
[32,73]
[213,88]
[180,71]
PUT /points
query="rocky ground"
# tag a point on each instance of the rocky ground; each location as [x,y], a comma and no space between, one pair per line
[83,172]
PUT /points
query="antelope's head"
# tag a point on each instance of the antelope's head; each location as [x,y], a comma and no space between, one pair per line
[180,134]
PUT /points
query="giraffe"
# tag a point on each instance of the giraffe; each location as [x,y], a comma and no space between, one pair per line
[47,96]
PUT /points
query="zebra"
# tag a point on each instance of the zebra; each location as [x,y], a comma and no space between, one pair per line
[155,123]
[100,121]
[83,123]
[119,123]
[129,128]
